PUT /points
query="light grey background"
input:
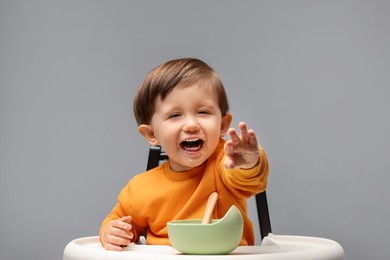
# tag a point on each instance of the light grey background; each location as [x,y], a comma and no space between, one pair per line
[311,77]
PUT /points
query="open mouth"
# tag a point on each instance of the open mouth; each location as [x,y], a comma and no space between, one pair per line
[192,145]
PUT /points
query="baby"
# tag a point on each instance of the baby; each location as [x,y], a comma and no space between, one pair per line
[182,106]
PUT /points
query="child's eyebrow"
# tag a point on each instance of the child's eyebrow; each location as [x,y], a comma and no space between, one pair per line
[209,104]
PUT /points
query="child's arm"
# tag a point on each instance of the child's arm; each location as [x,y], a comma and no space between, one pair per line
[117,234]
[241,150]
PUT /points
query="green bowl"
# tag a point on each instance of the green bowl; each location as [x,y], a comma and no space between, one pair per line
[219,237]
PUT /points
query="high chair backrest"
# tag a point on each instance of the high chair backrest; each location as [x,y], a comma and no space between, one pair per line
[156,155]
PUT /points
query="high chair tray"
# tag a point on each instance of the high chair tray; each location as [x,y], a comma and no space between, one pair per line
[276,247]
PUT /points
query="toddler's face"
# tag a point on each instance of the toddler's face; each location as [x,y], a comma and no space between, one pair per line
[188,125]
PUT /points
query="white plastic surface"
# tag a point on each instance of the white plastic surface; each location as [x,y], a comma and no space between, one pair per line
[274,247]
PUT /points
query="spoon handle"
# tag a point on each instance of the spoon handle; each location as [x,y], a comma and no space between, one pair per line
[210,207]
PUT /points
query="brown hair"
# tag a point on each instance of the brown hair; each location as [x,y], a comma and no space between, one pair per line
[163,79]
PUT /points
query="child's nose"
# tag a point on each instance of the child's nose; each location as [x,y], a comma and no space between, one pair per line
[191,125]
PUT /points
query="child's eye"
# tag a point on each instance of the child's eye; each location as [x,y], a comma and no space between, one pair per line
[204,112]
[173,115]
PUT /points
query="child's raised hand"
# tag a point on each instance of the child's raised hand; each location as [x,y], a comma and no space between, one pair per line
[241,150]
[117,234]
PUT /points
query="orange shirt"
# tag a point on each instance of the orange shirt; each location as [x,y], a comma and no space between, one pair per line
[160,195]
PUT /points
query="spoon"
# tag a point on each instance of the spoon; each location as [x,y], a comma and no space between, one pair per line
[210,207]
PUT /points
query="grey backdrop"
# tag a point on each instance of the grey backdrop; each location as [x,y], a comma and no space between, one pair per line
[311,77]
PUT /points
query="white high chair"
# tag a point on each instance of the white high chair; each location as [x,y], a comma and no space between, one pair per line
[273,246]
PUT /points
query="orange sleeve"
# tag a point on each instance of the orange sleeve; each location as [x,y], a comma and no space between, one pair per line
[119,211]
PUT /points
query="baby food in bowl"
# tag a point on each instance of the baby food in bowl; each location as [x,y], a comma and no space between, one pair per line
[218,237]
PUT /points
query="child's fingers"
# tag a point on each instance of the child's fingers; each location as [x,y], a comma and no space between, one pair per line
[122,229]
[115,243]
[118,234]
[126,219]
[252,139]
[234,138]
[111,241]
[113,247]
[241,150]
[122,223]
[229,147]
[243,131]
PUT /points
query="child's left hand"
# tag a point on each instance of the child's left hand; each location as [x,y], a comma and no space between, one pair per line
[241,150]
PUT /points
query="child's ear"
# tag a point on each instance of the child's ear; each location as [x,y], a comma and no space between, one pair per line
[225,124]
[147,132]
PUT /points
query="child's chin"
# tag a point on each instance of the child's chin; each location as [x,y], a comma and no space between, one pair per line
[187,164]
